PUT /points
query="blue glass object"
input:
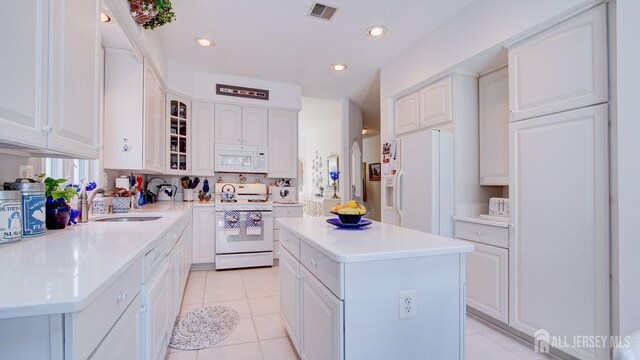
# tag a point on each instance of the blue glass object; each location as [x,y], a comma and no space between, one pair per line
[334,175]
[340,224]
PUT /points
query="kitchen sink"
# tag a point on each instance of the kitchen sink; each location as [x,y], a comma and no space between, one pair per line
[127,218]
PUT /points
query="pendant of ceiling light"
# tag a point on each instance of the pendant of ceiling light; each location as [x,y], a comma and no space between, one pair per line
[376,30]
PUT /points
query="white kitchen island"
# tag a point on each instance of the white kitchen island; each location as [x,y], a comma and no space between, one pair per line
[379,292]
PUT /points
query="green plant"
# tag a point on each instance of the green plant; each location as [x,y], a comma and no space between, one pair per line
[54,190]
[163,16]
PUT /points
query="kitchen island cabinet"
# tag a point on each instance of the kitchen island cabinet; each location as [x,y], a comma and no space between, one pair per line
[342,291]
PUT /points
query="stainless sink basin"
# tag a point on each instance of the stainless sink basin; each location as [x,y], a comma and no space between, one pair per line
[128,218]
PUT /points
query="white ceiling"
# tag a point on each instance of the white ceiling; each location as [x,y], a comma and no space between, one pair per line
[278,41]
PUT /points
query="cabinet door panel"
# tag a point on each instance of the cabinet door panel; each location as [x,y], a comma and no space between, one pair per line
[73,89]
[559,251]
[562,68]
[23,107]
[204,236]
[203,139]
[321,337]
[406,111]
[494,128]
[283,144]
[150,123]
[290,295]
[435,103]
[122,342]
[159,145]
[158,314]
[254,126]
[487,281]
[228,124]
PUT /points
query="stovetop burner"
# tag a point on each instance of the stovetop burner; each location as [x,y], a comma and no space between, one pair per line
[229,201]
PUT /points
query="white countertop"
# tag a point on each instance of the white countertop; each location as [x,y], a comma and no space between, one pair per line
[65,270]
[479,220]
[378,241]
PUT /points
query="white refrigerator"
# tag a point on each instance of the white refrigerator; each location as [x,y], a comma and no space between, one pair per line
[424,182]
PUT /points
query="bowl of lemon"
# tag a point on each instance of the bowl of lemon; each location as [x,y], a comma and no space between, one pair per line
[349,213]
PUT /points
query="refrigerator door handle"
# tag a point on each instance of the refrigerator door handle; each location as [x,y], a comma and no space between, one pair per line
[399,195]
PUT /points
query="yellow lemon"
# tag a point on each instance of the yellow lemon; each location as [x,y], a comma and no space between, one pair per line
[352,204]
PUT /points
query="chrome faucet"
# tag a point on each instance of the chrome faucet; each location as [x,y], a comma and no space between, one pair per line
[90,201]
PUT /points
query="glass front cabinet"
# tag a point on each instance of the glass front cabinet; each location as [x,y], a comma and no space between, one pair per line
[179,135]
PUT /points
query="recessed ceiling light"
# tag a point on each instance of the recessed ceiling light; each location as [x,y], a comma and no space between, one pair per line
[105,18]
[204,42]
[339,67]
[376,30]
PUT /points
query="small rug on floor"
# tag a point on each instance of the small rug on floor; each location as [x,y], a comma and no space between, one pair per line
[202,328]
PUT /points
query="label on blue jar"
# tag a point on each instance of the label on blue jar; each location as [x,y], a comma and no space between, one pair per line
[33,215]
[10,222]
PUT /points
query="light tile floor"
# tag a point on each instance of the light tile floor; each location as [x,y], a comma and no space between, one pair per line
[260,334]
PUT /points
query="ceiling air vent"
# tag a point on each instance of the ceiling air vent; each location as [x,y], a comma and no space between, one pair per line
[322,11]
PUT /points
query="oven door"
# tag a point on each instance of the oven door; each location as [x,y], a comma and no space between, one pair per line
[243,243]
[235,158]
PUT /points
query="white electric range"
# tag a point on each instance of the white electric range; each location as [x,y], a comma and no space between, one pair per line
[238,244]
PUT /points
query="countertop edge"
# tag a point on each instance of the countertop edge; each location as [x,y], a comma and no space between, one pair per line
[72,305]
[383,256]
[478,220]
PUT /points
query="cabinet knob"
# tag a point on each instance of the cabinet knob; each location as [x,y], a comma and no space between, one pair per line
[47,129]
[122,297]
[314,263]
[478,233]
[298,276]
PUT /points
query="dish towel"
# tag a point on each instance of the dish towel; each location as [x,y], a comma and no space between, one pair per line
[232,222]
[254,223]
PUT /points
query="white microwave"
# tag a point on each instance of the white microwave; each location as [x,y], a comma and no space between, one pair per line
[240,158]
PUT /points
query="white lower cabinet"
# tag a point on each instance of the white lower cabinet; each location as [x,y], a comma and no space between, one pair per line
[321,320]
[157,315]
[290,295]
[123,341]
[488,280]
[204,230]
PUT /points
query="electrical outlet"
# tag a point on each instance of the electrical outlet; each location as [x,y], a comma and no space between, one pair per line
[26,171]
[408,304]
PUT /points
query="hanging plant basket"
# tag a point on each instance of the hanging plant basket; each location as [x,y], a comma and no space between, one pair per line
[151,13]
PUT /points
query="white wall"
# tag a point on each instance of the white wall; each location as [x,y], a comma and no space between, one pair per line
[626,180]
[320,129]
[352,131]
[202,86]
[371,151]
[482,25]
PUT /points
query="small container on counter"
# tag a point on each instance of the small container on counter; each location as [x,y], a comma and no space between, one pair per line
[33,207]
[10,216]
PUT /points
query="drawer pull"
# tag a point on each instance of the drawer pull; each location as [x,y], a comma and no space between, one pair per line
[298,276]
[478,233]
[314,263]
[122,297]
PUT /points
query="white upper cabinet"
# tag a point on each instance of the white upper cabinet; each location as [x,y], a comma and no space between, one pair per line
[154,124]
[562,68]
[406,110]
[494,128]
[254,126]
[55,62]
[23,109]
[73,89]
[228,124]
[179,124]
[435,103]
[202,138]
[283,144]
[134,111]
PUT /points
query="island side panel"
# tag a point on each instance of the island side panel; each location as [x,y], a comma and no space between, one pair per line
[32,337]
[373,329]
